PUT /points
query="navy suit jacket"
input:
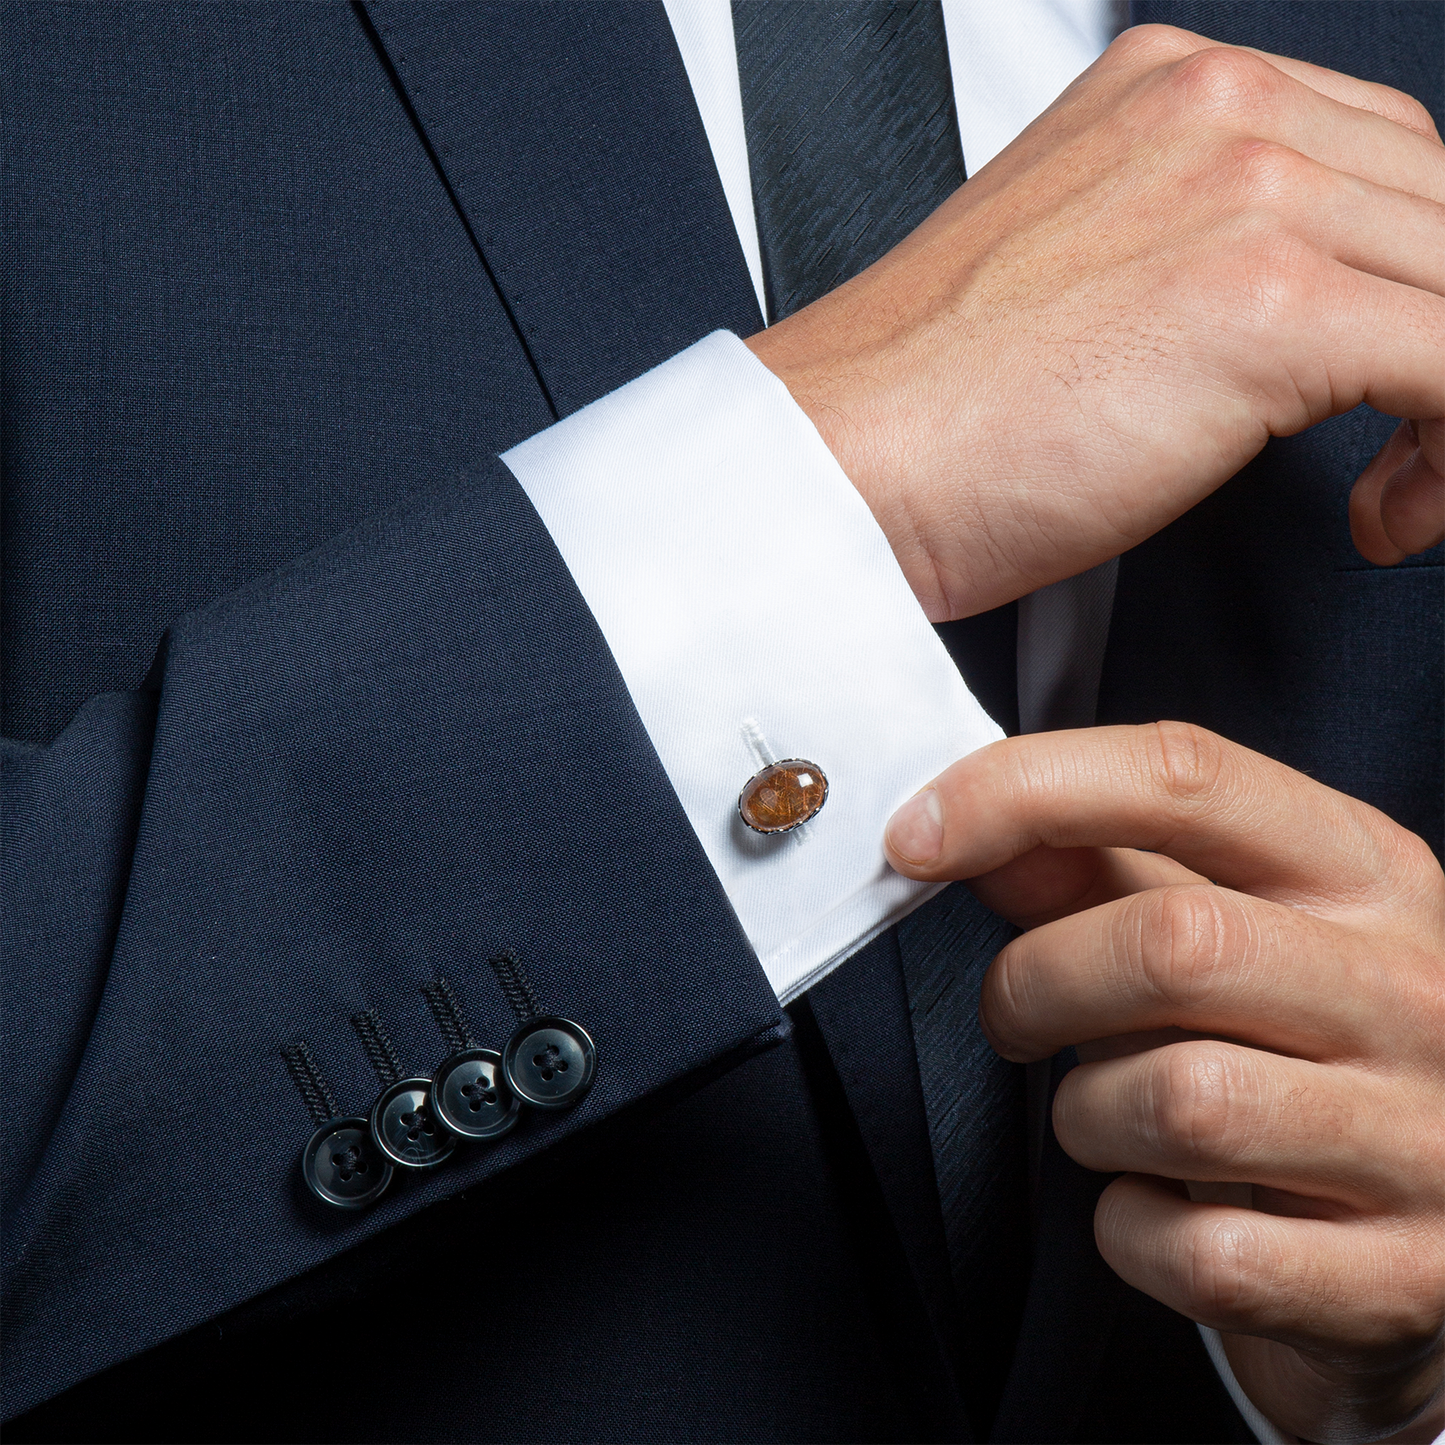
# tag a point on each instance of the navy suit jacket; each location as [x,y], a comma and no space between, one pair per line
[304,708]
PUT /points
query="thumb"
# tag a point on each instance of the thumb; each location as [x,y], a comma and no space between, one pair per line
[1397,507]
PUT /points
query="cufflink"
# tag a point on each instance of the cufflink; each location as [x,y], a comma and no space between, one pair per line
[783,796]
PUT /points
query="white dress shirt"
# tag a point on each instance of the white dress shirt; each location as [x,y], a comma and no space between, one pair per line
[743,586]
[754,608]
[749,598]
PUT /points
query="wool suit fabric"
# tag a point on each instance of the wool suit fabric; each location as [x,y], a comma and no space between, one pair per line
[286,655]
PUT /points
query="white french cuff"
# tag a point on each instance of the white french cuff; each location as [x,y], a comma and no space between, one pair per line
[1260,1427]
[745,589]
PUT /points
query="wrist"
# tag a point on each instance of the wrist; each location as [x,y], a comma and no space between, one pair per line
[840,395]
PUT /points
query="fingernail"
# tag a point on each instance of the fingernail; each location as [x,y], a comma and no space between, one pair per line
[915,831]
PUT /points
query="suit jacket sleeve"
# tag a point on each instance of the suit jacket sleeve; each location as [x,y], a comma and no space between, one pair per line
[404,752]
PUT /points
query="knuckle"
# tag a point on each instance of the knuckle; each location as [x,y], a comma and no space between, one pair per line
[1271,273]
[1402,108]
[1393,1294]
[1192,934]
[1393,865]
[1010,770]
[1189,761]
[1273,172]
[1282,262]
[1147,46]
[1409,858]
[1412,1319]
[1224,1265]
[1193,1115]
[1239,1272]
[1416,1309]
[1281,281]
[1226,83]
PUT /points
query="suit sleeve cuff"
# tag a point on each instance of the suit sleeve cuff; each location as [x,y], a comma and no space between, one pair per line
[745,589]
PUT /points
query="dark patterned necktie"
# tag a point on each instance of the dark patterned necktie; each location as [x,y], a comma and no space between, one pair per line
[852,142]
[974,1103]
[852,136]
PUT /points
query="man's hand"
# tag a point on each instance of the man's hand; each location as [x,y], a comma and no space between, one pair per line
[1197,247]
[1280,1027]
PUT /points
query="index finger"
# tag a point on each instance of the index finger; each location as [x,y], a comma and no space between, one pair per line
[1384,100]
[1230,814]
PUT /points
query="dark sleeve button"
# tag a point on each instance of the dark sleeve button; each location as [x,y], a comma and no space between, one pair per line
[405,1129]
[549,1063]
[342,1167]
[471,1098]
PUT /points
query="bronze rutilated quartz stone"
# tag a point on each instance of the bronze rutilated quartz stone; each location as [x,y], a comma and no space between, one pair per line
[783,796]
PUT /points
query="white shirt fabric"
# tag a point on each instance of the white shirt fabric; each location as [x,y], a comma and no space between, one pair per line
[740,581]
[717,636]
[751,601]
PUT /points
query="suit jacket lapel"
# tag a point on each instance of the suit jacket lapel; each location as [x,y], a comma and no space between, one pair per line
[570,142]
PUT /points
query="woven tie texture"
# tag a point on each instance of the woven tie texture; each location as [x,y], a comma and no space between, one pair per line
[973,1101]
[851,130]
[970,1094]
